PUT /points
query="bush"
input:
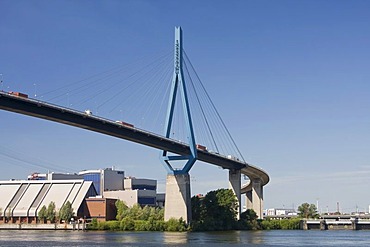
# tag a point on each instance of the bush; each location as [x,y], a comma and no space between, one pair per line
[174,225]
[93,225]
[113,225]
[103,226]
[127,224]
[140,225]
[284,224]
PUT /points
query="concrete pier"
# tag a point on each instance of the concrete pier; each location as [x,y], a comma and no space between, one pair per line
[335,224]
[235,186]
[254,198]
[178,199]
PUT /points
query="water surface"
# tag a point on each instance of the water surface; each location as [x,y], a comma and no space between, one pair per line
[232,238]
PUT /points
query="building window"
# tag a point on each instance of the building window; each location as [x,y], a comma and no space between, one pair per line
[146,200]
[95,178]
[143,187]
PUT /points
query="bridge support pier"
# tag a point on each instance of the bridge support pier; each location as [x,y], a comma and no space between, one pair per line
[254,197]
[178,199]
[235,186]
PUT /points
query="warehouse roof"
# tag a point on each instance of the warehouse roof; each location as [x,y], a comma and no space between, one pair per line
[26,197]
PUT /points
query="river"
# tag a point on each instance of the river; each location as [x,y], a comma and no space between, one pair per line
[233,238]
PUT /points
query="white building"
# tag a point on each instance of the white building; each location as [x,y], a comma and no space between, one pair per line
[112,184]
[136,191]
[21,200]
[280,211]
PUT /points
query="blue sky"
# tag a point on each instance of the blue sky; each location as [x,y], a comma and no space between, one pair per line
[290,79]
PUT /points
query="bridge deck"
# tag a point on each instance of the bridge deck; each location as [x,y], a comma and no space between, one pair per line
[44,110]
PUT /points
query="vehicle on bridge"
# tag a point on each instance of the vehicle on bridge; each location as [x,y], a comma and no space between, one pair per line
[202,148]
[18,94]
[125,124]
[233,157]
[88,112]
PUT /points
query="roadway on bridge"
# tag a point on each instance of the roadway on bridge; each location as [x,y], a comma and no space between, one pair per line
[44,110]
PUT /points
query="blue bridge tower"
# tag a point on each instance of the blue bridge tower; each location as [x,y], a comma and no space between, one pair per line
[178,199]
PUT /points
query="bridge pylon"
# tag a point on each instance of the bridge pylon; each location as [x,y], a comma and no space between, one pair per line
[178,200]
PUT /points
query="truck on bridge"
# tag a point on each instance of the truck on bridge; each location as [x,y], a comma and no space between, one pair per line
[19,94]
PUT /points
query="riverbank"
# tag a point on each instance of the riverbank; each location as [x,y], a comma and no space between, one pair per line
[72,227]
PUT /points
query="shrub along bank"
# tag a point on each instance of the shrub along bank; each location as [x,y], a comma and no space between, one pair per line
[216,211]
[137,218]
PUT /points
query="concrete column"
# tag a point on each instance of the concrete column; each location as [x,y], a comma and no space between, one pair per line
[178,200]
[235,186]
[303,225]
[248,199]
[254,198]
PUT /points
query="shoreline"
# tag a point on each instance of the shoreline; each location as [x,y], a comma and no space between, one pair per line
[69,227]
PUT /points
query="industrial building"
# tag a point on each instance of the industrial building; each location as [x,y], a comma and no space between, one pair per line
[279,212]
[104,179]
[54,176]
[93,194]
[99,208]
[136,191]
[21,200]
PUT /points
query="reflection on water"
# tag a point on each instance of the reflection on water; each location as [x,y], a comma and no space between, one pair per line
[179,238]
[234,238]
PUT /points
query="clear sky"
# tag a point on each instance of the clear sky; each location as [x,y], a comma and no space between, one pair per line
[291,79]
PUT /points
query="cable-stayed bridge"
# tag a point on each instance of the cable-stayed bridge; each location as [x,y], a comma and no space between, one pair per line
[178,182]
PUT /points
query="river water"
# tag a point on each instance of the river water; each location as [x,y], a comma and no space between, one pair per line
[233,238]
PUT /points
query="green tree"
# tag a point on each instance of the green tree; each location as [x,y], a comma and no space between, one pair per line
[197,208]
[66,212]
[145,213]
[42,214]
[156,214]
[307,211]
[51,212]
[136,212]
[216,211]
[122,210]
[9,213]
[127,224]
[248,220]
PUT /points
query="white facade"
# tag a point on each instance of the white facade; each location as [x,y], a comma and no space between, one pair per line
[132,197]
[25,198]
[136,191]
[280,211]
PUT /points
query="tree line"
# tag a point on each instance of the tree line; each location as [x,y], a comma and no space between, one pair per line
[50,214]
[217,210]
[137,218]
